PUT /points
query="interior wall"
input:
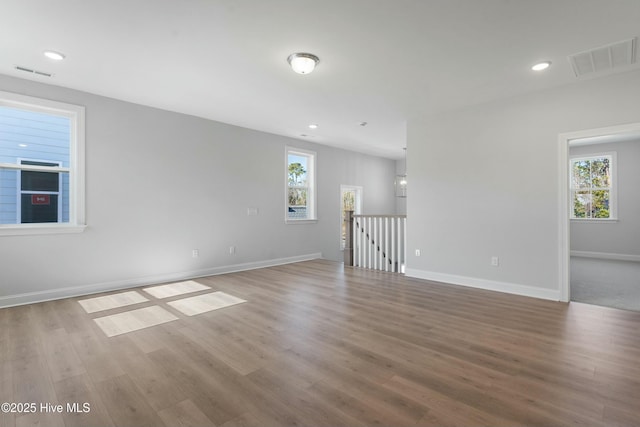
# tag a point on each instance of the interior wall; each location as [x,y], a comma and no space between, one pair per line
[485,183]
[160,184]
[621,237]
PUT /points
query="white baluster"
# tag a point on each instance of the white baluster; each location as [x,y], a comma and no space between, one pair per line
[393,244]
[372,243]
[386,244]
[399,242]
[379,244]
[404,240]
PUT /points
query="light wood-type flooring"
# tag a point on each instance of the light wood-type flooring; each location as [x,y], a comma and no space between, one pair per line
[317,344]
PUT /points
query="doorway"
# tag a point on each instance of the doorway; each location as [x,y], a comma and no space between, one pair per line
[600,216]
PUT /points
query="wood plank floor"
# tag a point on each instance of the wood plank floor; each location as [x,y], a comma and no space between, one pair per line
[317,344]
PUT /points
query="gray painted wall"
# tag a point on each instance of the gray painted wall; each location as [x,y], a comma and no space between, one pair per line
[622,236]
[160,184]
[485,182]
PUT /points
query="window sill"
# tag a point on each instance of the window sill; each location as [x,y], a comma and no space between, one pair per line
[38,229]
[300,221]
[594,220]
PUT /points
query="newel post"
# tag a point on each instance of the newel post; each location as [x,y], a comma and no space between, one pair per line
[348,238]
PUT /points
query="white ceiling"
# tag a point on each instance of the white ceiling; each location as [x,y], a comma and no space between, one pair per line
[381,61]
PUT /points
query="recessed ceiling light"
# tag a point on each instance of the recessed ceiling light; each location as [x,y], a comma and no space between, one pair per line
[541,66]
[313,126]
[56,56]
[303,63]
[22,145]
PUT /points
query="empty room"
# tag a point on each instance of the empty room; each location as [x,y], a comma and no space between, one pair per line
[330,213]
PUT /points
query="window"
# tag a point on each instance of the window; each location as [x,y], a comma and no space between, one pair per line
[350,200]
[41,166]
[39,199]
[301,185]
[592,187]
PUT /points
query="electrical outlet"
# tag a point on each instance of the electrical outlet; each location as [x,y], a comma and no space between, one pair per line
[232,250]
[495,261]
[418,253]
[195,253]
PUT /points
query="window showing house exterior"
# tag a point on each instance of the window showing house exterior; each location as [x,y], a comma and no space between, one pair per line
[40,193]
[592,187]
[301,186]
[41,164]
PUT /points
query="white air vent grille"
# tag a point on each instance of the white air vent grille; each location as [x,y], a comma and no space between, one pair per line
[29,70]
[605,58]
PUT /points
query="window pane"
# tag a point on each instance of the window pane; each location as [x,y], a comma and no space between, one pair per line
[348,204]
[300,184]
[582,204]
[600,173]
[600,204]
[39,208]
[33,135]
[581,176]
[297,170]
[38,139]
[8,196]
[297,203]
[348,201]
[40,181]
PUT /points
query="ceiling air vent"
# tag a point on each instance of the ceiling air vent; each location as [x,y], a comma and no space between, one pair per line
[29,70]
[605,58]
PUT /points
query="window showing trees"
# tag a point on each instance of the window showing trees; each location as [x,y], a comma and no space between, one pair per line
[350,200]
[41,165]
[300,185]
[592,192]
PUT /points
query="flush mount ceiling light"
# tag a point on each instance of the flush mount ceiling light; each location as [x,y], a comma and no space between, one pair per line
[313,126]
[56,56]
[541,66]
[303,63]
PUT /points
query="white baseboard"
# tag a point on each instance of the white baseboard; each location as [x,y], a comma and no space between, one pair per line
[606,255]
[491,285]
[53,294]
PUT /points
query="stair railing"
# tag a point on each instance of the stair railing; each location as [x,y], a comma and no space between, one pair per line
[376,242]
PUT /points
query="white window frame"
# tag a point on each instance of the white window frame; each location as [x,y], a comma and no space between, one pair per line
[311,185]
[76,169]
[613,189]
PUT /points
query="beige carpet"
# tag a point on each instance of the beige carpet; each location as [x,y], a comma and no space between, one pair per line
[173,289]
[134,320]
[204,303]
[605,282]
[108,302]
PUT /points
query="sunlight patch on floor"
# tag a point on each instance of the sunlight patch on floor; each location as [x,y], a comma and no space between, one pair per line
[204,303]
[107,302]
[134,320]
[173,289]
